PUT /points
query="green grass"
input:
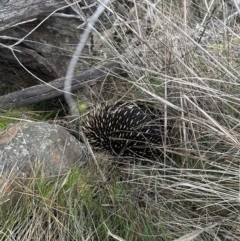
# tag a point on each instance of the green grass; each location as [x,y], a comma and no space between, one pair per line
[199,189]
[29,113]
[9,117]
[79,205]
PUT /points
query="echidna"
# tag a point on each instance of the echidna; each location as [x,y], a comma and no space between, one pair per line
[125,129]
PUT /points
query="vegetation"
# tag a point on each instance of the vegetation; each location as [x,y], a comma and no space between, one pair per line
[31,113]
[189,67]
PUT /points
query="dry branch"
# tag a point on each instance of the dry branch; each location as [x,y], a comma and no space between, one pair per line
[54,88]
[16,12]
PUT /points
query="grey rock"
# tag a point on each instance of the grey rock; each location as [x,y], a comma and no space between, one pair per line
[29,146]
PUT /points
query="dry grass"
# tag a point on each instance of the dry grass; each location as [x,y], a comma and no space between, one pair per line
[192,72]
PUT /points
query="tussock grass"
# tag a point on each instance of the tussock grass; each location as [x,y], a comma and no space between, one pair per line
[189,67]
[78,206]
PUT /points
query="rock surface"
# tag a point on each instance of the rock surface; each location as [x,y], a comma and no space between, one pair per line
[49,149]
